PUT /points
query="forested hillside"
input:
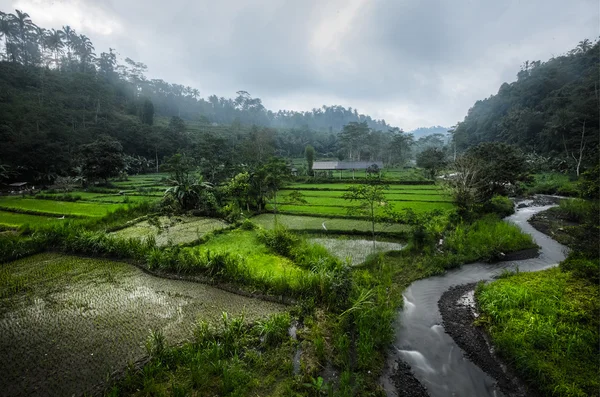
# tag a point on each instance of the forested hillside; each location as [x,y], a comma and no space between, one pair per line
[551,110]
[57,95]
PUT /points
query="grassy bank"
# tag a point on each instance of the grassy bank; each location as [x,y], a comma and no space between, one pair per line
[545,324]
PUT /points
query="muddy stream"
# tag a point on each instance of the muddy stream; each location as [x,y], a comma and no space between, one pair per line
[421,341]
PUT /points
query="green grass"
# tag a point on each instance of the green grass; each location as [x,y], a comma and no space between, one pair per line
[13,220]
[340,207]
[259,260]
[296,222]
[487,238]
[552,183]
[392,195]
[342,186]
[546,325]
[57,207]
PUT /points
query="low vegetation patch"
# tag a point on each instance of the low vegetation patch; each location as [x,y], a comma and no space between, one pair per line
[326,225]
[488,238]
[59,208]
[171,230]
[545,324]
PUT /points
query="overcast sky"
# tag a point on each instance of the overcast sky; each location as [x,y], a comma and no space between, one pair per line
[413,63]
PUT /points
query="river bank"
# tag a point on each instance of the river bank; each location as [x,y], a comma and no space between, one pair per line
[436,360]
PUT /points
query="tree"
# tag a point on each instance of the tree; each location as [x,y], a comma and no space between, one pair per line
[432,159]
[102,159]
[188,189]
[147,112]
[370,198]
[276,174]
[498,166]
[238,189]
[309,153]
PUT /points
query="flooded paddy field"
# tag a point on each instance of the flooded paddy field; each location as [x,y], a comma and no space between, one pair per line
[353,249]
[67,322]
[172,230]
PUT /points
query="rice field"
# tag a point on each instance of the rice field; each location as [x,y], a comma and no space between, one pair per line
[345,186]
[327,199]
[12,220]
[342,210]
[355,251]
[67,322]
[173,230]
[324,224]
[59,208]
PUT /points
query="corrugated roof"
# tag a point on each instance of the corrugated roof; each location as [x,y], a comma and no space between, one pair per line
[345,165]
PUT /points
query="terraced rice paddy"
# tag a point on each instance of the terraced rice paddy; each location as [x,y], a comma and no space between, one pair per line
[59,208]
[355,251]
[60,313]
[12,220]
[324,224]
[173,230]
[261,262]
[327,199]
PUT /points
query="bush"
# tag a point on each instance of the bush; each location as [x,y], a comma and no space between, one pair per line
[280,240]
[500,205]
[582,267]
[247,224]
[488,239]
[577,210]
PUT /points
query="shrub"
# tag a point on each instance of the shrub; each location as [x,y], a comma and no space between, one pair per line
[500,205]
[582,267]
[247,224]
[280,240]
[487,239]
[576,210]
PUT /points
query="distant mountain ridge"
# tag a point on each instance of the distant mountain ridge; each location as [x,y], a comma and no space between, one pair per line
[425,131]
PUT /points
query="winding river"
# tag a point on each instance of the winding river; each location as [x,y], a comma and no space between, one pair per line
[437,362]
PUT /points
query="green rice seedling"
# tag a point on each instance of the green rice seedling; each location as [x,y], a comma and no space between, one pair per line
[155,344]
[274,331]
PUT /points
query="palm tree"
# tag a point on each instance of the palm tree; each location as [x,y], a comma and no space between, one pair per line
[55,43]
[68,35]
[40,35]
[24,26]
[584,46]
[85,50]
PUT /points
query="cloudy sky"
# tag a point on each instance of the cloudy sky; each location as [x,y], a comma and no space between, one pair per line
[413,63]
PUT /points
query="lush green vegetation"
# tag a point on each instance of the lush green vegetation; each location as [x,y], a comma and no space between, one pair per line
[546,325]
[551,111]
[228,359]
[332,225]
[12,220]
[44,207]
[222,209]
[552,183]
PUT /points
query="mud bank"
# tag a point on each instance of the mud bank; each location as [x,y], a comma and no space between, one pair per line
[458,309]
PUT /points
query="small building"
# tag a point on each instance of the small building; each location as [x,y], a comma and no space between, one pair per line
[329,166]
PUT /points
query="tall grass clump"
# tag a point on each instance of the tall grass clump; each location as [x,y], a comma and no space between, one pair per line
[486,239]
[578,210]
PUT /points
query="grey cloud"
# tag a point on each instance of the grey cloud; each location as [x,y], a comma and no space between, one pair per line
[412,62]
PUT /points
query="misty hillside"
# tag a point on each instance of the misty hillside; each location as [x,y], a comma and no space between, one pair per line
[551,109]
